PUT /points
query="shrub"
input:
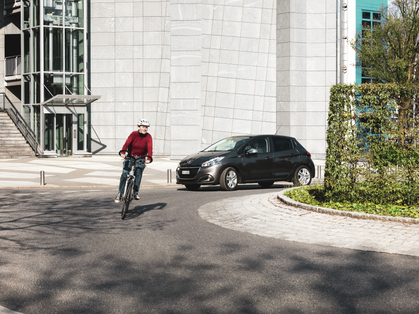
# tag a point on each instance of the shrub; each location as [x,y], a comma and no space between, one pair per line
[368,158]
[315,195]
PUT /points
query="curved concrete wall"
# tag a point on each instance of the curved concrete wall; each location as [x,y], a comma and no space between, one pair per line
[204,70]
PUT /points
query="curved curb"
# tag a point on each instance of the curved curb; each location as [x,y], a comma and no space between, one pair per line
[345,213]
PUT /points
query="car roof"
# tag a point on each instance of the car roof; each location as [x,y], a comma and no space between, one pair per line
[259,135]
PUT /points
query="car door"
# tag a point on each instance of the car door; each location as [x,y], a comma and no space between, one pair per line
[257,166]
[284,153]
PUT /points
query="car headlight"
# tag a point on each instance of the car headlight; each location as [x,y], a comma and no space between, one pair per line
[212,162]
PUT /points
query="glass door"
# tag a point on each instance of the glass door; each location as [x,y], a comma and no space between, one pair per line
[65,134]
[80,132]
[63,138]
[49,132]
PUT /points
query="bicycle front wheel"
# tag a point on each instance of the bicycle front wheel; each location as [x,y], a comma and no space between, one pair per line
[127,199]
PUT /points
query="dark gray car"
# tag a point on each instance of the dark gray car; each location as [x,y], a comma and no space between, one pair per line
[263,159]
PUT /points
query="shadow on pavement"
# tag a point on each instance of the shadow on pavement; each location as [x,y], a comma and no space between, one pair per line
[71,271]
[141,209]
[189,281]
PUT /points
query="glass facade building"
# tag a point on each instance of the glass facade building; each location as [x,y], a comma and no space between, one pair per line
[53,90]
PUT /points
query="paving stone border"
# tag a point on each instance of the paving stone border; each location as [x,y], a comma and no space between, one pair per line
[267,215]
[345,213]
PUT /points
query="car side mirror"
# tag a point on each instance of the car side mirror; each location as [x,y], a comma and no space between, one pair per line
[252,151]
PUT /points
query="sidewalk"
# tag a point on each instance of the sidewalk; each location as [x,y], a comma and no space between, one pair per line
[98,171]
[72,172]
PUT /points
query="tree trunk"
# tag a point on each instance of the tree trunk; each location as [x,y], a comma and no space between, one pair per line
[404,105]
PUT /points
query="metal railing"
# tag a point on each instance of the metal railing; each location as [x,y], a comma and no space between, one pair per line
[7,106]
[13,66]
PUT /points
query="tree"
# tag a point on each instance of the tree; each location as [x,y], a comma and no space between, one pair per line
[389,53]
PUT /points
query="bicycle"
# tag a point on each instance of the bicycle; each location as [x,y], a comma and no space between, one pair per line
[128,195]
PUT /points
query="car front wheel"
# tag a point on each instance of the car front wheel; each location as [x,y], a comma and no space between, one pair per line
[302,176]
[229,180]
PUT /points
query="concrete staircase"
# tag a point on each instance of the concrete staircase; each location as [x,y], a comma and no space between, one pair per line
[12,143]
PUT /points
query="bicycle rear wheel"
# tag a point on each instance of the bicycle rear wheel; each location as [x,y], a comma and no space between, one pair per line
[127,199]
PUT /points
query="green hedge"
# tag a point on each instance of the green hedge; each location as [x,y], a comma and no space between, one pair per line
[314,195]
[370,157]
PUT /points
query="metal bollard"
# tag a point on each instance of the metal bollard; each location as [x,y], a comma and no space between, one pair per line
[169,175]
[42,178]
[319,172]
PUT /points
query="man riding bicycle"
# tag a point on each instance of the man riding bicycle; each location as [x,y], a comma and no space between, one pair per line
[139,144]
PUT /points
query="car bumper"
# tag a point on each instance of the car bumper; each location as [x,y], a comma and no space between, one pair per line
[197,175]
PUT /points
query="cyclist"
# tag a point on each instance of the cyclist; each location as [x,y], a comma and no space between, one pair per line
[138,144]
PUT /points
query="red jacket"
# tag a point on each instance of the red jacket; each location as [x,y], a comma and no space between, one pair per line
[139,145]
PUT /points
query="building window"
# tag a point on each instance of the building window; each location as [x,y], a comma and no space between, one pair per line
[74,84]
[26,13]
[26,52]
[53,49]
[53,12]
[53,84]
[74,50]
[370,20]
[74,13]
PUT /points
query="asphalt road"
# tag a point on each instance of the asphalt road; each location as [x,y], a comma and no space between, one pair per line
[68,251]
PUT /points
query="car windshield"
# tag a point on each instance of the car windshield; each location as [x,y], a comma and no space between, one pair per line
[227,144]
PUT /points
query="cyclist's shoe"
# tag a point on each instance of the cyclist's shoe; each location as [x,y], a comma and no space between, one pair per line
[118,198]
[136,196]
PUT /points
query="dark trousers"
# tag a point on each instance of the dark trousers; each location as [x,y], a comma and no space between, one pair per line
[139,168]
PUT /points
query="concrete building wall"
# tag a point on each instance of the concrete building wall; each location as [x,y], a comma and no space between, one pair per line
[130,69]
[201,70]
[306,57]
[239,66]
[185,77]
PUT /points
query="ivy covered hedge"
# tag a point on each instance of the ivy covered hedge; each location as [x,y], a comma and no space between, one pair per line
[372,155]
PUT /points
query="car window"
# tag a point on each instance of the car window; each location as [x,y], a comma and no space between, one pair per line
[281,144]
[227,144]
[261,144]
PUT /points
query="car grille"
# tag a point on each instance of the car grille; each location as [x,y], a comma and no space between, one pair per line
[188,172]
[186,163]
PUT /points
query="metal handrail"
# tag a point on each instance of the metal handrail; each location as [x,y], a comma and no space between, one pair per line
[20,123]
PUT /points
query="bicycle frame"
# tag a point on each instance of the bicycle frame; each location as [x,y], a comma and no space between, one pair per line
[130,176]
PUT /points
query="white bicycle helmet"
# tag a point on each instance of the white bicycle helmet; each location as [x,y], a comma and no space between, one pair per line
[144,122]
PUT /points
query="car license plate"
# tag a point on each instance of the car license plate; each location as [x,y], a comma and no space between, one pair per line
[185,172]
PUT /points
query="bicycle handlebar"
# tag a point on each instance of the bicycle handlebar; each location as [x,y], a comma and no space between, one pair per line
[128,157]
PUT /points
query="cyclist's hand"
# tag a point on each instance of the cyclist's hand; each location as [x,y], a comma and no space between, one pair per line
[147,161]
[123,156]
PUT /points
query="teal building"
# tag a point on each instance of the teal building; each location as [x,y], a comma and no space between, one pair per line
[368,15]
